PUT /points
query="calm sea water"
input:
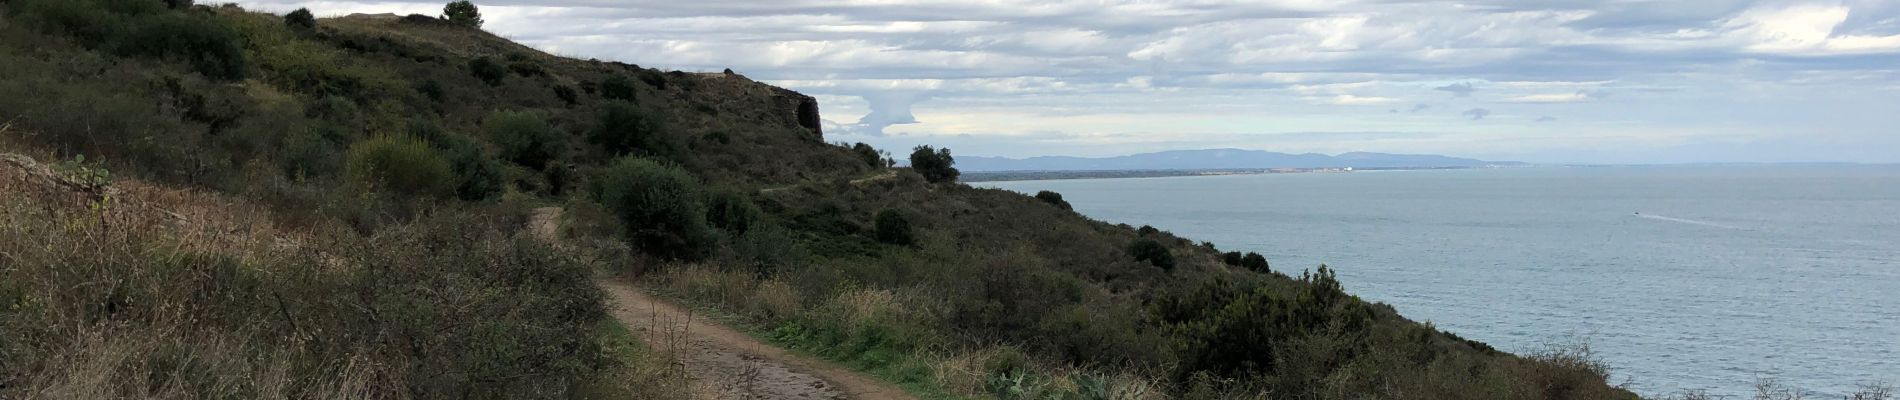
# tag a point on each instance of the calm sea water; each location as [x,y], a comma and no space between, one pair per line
[1728,274]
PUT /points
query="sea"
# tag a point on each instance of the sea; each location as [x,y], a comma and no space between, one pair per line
[1680,277]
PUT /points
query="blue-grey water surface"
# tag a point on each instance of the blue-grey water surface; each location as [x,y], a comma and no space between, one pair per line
[1680,277]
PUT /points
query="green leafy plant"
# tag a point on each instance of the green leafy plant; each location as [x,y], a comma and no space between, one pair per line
[463,13]
[892,227]
[936,165]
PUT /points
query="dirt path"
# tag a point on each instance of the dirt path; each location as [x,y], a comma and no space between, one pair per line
[725,363]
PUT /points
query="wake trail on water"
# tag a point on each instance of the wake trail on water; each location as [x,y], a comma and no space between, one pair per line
[1688,221]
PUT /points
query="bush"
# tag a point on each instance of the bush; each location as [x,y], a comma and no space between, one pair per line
[935,165]
[430,88]
[566,94]
[732,211]
[1053,198]
[210,47]
[477,176]
[1254,261]
[659,207]
[1153,252]
[523,137]
[399,164]
[178,4]
[626,129]
[891,227]
[1233,258]
[868,154]
[617,87]
[301,20]
[463,13]
[487,70]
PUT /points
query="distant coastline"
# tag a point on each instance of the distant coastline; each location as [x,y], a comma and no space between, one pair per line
[1006,176]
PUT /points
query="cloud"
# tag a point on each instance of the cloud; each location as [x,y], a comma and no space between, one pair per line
[1128,68]
[1572,97]
[887,108]
[1546,118]
[1461,89]
[1352,100]
[1477,113]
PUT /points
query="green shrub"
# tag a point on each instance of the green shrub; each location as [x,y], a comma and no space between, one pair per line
[869,154]
[1233,258]
[624,128]
[463,13]
[659,206]
[301,20]
[477,175]
[566,94]
[732,211]
[617,87]
[1153,252]
[892,227]
[209,46]
[1254,261]
[308,153]
[430,88]
[935,165]
[523,137]
[527,68]
[1054,199]
[399,164]
[1146,230]
[487,70]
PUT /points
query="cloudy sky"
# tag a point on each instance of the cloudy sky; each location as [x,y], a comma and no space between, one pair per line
[1608,81]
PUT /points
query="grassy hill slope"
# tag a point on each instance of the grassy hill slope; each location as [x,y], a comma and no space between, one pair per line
[389,163]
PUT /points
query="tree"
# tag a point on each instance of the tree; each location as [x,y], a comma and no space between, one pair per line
[869,154]
[463,13]
[892,227]
[1153,252]
[1233,258]
[626,129]
[301,20]
[1054,198]
[659,206]
[936,165]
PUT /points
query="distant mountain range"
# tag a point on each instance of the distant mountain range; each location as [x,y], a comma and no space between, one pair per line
[1219,159]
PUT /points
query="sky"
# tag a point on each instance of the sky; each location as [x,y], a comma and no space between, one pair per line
[1558,81]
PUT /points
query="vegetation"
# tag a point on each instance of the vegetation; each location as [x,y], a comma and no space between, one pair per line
[1152,252]
[234,260]
[463,13]
[732,211]
[1054,199]
[893,228]
[301,20]
[936,165]
[659,206]
[626,129]
[399,164]
[524,137]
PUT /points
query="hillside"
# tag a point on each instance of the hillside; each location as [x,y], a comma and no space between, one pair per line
[1220,159]
[338,208]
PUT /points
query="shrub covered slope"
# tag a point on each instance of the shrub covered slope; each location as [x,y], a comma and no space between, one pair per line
[382,166]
